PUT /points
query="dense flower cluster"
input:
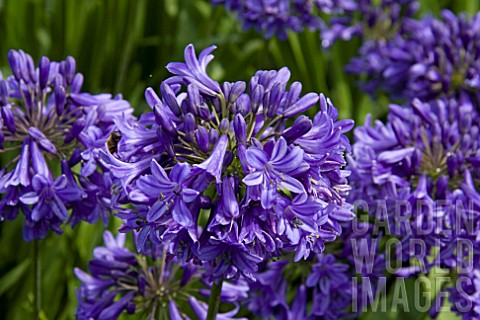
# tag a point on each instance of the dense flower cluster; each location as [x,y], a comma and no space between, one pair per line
[215,171]
[48,127]
[420,173]
[347,18]
[275,18]
[374,21]
[120,281]
[429,58]
[323,288]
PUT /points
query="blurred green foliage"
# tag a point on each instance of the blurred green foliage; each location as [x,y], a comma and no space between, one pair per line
[123,46]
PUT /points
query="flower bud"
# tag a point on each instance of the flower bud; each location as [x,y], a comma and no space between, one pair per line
[257,98]
[224,125]
[301,126]
[189,125]
[237,89]
[227,87]
[293,93]
[227,161]
[166,142]
[163,119]
[201,134]
[44,70]
[151,97]
[70,67]
[276,96]
[212,137]
[170,99]
[60,99]
[15,64]
[77,83]
[240,129]
[451,165]
[4,96]
[9,118]
[243,104]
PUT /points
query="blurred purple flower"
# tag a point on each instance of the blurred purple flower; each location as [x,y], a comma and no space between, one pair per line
[46,120]
[420,168]
[428,59]
[275,17]
[374,21]
[120,281]
[326,293]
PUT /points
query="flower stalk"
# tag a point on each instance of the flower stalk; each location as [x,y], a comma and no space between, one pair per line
[37,275]
[214,301]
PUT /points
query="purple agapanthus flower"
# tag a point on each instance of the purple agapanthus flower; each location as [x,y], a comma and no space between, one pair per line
[48,126]
[215,170]
[419,174]
[272,171]
[275,17]
[427,59]
[149,286]
[172,194]
[374,21]
[322,288]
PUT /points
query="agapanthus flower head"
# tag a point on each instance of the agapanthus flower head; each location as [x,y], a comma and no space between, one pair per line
[149,286]
[217,171]
[322,288]
[428,59]
[275,17]
[48,126]
[419,171]
[374,21]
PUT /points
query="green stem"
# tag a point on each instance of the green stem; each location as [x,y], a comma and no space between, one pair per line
[37,276]
[214,301]
[162,265]
[224,106]
[267,125]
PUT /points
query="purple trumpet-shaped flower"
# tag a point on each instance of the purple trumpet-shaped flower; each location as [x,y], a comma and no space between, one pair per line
[272,171]
[194,71]
[230,257]
[214,163]
[48,197]
[173,195]
[218,176]
[47,122]
[306,223]
[228,208]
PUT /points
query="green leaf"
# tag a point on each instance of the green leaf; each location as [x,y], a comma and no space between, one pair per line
[13,276]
